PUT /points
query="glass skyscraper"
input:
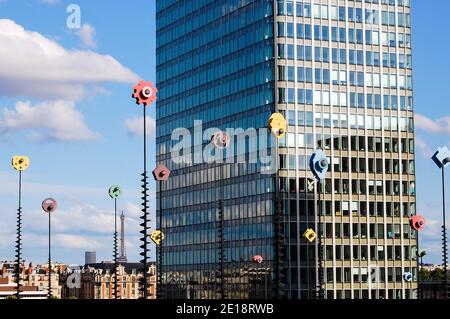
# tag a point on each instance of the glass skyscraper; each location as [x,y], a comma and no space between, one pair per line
[341,74]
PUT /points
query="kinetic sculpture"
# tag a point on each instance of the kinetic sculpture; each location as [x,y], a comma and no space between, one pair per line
[144,93]
[161,173]
[115,192]
[442,159]
[221,140]
[20,164]
[278,126]
[49,206]
[319,165]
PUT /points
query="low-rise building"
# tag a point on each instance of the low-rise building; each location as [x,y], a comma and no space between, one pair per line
[96,281]
[33,280]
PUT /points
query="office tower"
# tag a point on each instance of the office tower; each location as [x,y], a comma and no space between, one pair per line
[90,257]
[341,73]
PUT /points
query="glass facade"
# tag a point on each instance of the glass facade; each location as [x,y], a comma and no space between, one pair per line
[215,63]
[341,73]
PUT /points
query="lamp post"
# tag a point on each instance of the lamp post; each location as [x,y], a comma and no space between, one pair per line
[442,159]
[115,192]
[161,174]
[144,93]
[20,164]
[49,206]
[319,165]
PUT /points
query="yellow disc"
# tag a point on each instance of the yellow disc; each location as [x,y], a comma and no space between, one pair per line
[278,125]
[157,236]
[310,235]
[20,163]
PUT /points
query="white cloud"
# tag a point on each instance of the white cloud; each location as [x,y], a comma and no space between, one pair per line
[423,147]
[32,65]
[87,34]
[438,126]
[135,126]
[56,120]
[67,241]
[132,210]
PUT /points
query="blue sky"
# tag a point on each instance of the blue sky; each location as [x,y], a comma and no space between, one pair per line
[85,145]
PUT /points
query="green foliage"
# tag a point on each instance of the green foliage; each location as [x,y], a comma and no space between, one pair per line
[437,274]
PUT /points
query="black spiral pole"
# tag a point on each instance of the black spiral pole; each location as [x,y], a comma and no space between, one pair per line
[115,252]
[320,288]
[145,217]
[444,238]
[160,290]
[220,233]
[19,238]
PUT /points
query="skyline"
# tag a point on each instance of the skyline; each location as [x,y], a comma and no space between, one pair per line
[81,186]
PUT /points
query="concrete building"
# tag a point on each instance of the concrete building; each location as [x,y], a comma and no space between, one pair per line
[90,257]
[341,73]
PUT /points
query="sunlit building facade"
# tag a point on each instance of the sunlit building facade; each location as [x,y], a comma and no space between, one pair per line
[341,73]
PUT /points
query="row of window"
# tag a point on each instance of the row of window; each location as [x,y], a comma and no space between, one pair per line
[357,143]
[373,231]
[341,252]
[307,208]
[339,56]
[343,99]
[335,77]
[322,33]
[205,256]
[341,13]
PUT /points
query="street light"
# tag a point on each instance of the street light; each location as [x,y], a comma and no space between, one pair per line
[442,159]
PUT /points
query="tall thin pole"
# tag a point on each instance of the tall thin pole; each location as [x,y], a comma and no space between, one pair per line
[115,250]
[144,217]
[19,238]
[221,237]
[320,251]
[49,256]
[160,256]
[444,235]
